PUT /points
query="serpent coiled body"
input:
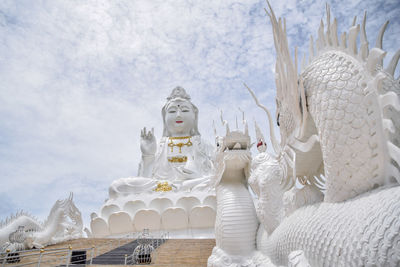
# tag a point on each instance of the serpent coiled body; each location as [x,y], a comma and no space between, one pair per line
[364,231]
[348,124]
[236,221]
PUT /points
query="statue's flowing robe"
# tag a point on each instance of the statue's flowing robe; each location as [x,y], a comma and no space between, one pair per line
[196,172]
[199,163]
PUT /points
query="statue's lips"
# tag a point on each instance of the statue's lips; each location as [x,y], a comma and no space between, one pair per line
[179,121]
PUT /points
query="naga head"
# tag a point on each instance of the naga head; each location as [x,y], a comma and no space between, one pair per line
[233,150]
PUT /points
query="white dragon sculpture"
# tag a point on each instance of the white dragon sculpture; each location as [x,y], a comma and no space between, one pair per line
[340,119]
[24,231]
[236,221]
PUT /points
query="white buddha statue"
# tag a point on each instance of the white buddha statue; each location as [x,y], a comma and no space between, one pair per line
[181,160]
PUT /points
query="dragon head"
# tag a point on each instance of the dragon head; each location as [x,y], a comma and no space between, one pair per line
[233,151]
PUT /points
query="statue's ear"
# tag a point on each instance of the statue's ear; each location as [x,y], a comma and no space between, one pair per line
[195,130]
[163,112]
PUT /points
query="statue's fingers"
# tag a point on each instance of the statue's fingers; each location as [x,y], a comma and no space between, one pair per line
[144,131]
[152,130]
[141,133]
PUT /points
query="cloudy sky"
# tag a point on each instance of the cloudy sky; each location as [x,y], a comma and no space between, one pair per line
[78,79]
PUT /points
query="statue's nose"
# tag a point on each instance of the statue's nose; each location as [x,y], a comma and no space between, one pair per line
[178,113]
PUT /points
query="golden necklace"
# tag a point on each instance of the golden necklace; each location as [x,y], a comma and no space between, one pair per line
[171,144]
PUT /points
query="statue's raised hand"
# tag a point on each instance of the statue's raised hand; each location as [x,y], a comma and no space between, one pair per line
[148,143]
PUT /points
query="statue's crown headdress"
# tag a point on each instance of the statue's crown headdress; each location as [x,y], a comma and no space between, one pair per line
[178,92]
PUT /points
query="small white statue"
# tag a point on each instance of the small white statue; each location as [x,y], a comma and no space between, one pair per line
[182,158]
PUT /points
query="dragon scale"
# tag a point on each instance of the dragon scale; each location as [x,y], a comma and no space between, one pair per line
[352,233]
[347,120]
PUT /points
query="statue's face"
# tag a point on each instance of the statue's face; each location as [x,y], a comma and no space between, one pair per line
[180,118]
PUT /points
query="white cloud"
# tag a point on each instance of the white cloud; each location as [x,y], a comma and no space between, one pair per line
[79,80]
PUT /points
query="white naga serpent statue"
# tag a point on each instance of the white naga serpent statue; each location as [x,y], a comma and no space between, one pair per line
[23,231]
[236,221]
[339,118]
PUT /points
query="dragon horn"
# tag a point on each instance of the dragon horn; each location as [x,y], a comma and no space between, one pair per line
[224,122]
[379,40]
[393,63]
[363,39]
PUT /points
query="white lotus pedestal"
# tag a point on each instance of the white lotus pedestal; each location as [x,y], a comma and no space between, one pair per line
[182,214]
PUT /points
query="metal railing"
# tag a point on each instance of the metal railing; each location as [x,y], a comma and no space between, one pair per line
[57,256]
[146,251]
[70,255]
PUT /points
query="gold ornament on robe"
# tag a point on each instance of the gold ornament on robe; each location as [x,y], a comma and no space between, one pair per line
[163,187]
[178,159]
